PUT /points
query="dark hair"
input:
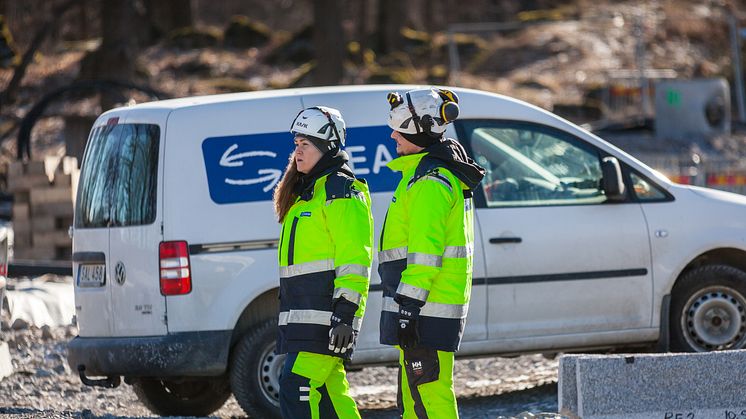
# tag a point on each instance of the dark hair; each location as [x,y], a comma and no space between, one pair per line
[284,196]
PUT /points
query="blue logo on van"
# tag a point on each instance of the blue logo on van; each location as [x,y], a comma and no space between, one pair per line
[246,168]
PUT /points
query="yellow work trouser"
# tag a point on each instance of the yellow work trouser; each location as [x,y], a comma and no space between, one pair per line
[426,384]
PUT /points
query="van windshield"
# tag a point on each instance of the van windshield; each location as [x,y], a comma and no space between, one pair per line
[119,179]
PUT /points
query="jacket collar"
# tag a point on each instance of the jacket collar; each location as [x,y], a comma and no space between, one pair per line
[406,163]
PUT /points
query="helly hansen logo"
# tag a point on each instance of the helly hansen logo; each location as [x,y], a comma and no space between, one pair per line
[416,367]
[305,214]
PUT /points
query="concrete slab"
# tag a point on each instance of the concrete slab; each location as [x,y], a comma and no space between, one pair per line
[6,366]
[666,386]
[567,387]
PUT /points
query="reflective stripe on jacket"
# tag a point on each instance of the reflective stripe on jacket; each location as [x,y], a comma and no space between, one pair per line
[325,252]
[426,252]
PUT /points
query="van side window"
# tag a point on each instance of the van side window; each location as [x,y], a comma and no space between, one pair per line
[533,165]
[119,177]
[645,190]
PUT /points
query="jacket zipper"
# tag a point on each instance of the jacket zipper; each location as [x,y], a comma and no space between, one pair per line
[282,236]
[291,246]
[380,241]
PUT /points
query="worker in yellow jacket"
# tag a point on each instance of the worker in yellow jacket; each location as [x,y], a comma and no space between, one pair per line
[426,250]
[324,255]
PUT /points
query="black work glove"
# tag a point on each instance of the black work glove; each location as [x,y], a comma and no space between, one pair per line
[341,334]
[409,337]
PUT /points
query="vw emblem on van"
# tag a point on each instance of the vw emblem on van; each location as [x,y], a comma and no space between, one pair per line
[120,275]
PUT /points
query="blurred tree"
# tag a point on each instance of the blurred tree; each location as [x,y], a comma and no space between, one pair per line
[328,40]
[117,50]
[167,15]
[48,26]
[392,17]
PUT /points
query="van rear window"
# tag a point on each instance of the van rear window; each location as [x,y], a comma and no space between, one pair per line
[119,177]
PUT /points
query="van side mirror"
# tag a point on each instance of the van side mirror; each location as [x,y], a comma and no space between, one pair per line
[612,182]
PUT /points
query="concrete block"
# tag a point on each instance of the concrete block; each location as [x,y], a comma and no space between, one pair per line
[51,239]
[27,182]
[50,195]
[36,253]
[20,212]
[6,366]
[19,169]
[43,224]
[567,387]
[60,209]
[667,386]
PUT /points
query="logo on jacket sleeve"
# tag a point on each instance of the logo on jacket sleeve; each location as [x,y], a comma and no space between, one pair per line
[305,214]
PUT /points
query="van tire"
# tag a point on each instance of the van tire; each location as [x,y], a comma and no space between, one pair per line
[254,365]
[187,397]
[708,310]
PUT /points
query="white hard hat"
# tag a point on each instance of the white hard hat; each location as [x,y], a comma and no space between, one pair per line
[423,110]
[321,123]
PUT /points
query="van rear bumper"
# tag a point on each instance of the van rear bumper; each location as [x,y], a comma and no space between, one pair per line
[172,355]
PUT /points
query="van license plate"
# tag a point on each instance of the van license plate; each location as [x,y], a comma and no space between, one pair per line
[91,275]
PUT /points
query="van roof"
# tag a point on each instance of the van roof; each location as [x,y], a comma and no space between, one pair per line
[194,101]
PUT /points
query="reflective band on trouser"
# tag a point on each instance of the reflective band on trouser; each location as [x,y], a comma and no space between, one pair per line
[352,269]
[458,251]
[431,309]
[424,259]
[306,268]
[391,255]
[318,317]
[412,291]
[315,386]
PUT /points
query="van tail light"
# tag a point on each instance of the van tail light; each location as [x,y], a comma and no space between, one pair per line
[176,275]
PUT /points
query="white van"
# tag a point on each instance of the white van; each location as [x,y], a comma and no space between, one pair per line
[579,246]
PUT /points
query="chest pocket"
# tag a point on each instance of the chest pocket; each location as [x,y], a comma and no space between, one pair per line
[308,239]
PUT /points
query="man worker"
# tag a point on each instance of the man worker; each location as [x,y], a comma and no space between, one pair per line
[426,250]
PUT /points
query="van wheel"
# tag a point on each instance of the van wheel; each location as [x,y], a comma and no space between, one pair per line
[255,372]
[708,310]
[183,397]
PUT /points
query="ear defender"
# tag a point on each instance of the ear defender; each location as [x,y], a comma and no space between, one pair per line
[449,112]
[394,99]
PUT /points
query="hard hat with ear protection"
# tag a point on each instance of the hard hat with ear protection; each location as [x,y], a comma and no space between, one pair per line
[321,123]
[423,111]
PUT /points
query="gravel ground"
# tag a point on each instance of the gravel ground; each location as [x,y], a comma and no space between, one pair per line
[43,386]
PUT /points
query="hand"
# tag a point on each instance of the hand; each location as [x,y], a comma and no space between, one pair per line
[341,336]
[409,337]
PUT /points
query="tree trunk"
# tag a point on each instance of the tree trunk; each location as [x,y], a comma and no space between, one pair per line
[117,54]
[392,16]
[181,14]
[328,41]
[166,15]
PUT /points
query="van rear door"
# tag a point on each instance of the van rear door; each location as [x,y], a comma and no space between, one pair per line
[118,228]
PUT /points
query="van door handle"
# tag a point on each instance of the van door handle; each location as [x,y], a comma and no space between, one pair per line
[503,240]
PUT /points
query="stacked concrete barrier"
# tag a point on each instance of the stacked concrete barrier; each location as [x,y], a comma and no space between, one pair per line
[665,386]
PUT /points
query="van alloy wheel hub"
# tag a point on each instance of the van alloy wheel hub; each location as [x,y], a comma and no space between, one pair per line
[715,319]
